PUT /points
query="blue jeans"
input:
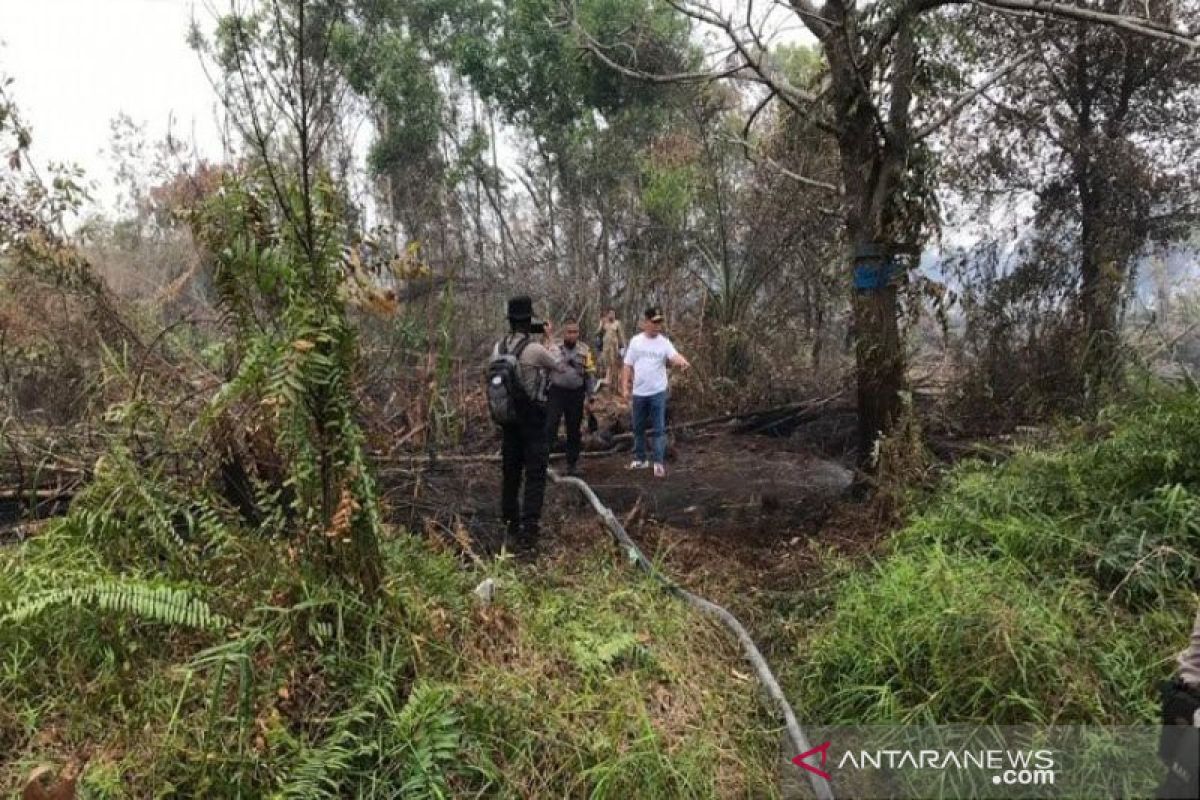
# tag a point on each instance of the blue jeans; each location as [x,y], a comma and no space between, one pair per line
[654,408]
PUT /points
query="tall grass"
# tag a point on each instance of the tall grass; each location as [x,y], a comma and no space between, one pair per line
[1055,587]
[581,680]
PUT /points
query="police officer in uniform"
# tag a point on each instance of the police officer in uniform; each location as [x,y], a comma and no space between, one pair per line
[570,390]
[525,448]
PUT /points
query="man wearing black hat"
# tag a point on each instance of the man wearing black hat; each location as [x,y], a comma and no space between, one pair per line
[525,449]
[644,381]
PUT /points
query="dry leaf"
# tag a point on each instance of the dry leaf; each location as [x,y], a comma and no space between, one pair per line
[339,525]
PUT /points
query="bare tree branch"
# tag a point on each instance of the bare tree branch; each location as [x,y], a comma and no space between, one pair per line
[820,26]
[798,100]
[968,97]
[758,109]
[750,149]
[597,49]
[260,137]
[1138,25]
[1044,8]
[758,63]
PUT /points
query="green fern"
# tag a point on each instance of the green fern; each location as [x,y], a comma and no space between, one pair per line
[412,750]
[155,603]
[297,357]
[596,654]
[429,732]
[321,771]
[133,512]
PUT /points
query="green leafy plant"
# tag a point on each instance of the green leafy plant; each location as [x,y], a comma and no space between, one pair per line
[1054,587]
[290,393]
[152,602]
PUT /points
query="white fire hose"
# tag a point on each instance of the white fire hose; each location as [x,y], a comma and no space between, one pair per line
[799,741]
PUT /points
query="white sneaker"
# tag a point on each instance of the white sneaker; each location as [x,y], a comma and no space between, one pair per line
[635,464]
[660,471]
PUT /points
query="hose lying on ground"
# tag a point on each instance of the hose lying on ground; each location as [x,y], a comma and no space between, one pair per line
[795,733]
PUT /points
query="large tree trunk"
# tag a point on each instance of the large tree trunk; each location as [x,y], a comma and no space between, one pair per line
[879,356]
[879,360]
[1113,190]
[871,168]
[1114,212]
[1100,301]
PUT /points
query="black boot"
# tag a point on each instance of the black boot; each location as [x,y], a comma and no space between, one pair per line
[527,543]
[512,535]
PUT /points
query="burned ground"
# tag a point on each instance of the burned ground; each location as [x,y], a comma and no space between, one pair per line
[739,513]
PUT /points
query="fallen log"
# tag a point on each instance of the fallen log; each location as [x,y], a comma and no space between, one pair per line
[10,495]
[789,408]
[794,409]
[785,414]
[480,458]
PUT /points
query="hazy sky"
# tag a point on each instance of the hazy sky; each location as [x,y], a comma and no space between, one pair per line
[77,63]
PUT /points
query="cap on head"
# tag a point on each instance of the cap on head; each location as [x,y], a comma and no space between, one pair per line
[654,314]
[520,308]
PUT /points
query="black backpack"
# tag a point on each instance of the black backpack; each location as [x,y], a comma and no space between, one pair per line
[506,394]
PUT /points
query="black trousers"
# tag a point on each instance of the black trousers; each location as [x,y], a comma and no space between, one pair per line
[566,403]
[524,455]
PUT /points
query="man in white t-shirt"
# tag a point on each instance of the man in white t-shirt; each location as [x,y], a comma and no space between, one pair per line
[647,357]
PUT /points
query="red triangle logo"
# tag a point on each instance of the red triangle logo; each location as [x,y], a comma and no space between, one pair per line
[823,749]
